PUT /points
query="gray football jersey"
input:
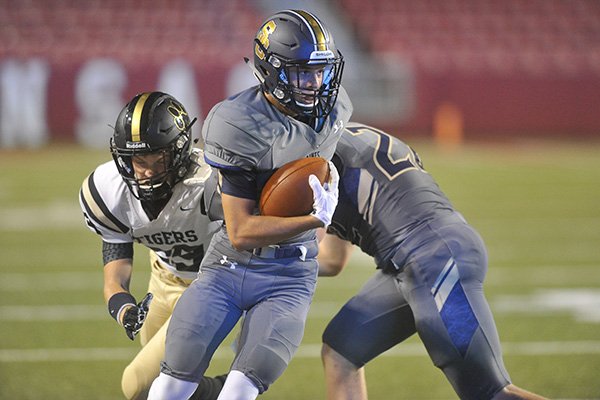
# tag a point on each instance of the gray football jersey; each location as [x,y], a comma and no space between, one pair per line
[384,191]
[246,132]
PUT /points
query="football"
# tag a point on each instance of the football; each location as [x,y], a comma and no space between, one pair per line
[287,192]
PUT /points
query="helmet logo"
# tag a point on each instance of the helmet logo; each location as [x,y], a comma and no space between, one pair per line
[177,111]
[321,55]
[135,145]
[263,37]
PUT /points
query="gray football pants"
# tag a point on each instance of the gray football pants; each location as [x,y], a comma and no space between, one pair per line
[438,293]
[276,295]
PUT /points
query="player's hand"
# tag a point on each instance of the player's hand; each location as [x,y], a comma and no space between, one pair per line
[134,316]
[325,198]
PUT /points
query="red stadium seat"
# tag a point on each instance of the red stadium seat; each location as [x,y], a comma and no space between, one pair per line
[511,35]
[67,31]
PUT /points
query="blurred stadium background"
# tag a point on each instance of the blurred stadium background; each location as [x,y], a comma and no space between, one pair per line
[501,98]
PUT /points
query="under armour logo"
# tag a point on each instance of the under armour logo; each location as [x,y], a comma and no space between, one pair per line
[232,264]
[303,251]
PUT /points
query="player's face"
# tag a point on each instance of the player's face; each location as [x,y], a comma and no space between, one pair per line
[308,79]
[147,166]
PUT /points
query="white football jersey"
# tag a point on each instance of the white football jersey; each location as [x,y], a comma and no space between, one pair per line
[179,235]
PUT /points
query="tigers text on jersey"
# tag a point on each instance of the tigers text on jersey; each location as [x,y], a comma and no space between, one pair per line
[179,235]
[384,191]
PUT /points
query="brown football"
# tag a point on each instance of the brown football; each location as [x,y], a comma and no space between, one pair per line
[287,192]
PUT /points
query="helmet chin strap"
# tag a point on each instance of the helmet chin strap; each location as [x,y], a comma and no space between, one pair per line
[150,191]
[278,104]
[163,190]
[315,123]
[307,105]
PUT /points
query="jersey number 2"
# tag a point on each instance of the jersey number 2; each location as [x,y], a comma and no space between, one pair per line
[383,157]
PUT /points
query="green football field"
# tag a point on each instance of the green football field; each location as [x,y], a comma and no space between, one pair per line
[537,205]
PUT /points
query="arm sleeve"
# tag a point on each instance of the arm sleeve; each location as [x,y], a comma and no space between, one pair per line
[116,251]
[239,183]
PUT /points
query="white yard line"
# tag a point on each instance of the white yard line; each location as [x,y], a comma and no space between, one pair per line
[92,279]
[66,214]
[580,309]
[305,351]
[582,304]
[60,313]
[57,215]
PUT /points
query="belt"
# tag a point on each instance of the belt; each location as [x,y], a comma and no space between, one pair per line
[286,251]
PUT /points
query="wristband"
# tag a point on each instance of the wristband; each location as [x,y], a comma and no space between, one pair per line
[116,303]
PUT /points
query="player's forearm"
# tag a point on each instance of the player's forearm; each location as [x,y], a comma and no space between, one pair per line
[334,254]
[117,275]
[247,230]
[259,230]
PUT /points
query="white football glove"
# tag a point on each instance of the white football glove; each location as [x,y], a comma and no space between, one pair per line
[325,198]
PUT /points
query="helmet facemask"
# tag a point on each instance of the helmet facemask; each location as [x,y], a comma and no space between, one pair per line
[171,164]
[314,101]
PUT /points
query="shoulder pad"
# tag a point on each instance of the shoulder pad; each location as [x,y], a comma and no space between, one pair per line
[199,169]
